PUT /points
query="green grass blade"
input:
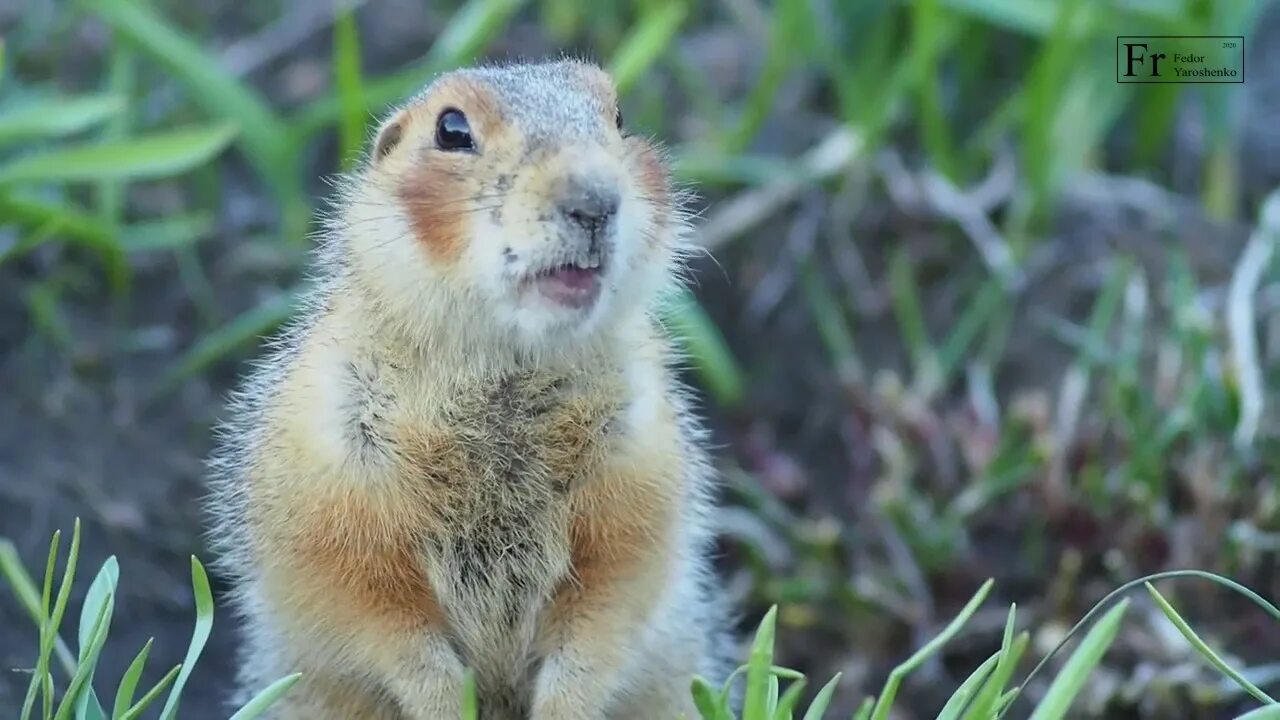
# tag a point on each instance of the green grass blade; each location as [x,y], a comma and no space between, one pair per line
[150,696]
[1257,599]
[102,588]
[646,43]
[122,76]
[267,141]
[907,309]
[129,682]
[96,635]
[350,87]
[822,699]
[46,590]
[140,158]
[703,344]
[37,605]
[781,672]
[470,701]
[24,588]
[1028,17]
[1067,685]
[925,54]
[265,699]
[247,327]
[1204,649]
[48,313]
[890,692]
[865,709]
[761,659]
[48,691]
[169,233]
[986,305]
[727,689]
[31,239]
[101,593]
[1011,649]
[29,701]
[829,319]
[60,603]
[69,222]
[789,700]
[785,673]
[709,705]
[702,166]
[786,46]
[56,117]
[977,680]
[204,625]
[470,30]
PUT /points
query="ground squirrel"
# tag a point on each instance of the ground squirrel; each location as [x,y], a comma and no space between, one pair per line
[470,449]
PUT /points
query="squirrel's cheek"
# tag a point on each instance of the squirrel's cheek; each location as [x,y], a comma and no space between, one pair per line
[435,203]
[653,181]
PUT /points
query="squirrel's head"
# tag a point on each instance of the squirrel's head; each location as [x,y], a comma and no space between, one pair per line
[512,200]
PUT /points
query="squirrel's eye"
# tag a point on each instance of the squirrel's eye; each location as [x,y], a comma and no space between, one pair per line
[453,132]
[618,119]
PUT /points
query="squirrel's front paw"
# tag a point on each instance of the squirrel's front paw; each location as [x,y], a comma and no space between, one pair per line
[557,711]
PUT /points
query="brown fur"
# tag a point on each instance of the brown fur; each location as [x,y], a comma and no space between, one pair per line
[434,194]
[343,550]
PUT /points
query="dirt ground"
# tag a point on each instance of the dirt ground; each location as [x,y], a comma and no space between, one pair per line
[77,438]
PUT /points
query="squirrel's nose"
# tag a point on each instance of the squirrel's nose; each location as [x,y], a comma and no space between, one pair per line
[589,204]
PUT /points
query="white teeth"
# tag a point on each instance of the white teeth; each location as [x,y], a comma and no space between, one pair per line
[587,263]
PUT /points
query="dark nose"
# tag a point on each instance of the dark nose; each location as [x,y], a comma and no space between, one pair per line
[590,205]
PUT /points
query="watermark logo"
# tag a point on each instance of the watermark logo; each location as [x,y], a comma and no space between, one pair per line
[1180,59]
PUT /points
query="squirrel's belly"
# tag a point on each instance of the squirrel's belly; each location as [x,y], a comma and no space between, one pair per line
[494,575]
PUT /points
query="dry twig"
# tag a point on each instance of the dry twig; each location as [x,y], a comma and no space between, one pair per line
[1241,314]
[752,207]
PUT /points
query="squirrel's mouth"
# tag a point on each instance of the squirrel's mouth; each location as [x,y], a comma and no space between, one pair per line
[574,285]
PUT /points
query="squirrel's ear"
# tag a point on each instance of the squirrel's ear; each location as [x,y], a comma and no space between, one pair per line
[388,137]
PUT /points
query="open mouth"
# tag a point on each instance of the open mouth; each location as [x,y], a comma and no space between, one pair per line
[574,285]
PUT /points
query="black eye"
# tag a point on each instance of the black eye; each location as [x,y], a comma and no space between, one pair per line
[618,119]
[453,132]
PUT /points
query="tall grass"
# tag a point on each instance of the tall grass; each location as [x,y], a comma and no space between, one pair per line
[770,692]
[78,697]
[881,60]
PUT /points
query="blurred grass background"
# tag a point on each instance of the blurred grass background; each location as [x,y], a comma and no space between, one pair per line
[975,309]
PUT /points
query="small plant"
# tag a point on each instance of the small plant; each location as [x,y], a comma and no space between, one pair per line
[41,160]
[79,699]
[52,147]
[986,694]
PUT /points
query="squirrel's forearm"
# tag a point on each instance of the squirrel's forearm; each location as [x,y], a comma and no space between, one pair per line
[622,566]
[428,681]
[597,630]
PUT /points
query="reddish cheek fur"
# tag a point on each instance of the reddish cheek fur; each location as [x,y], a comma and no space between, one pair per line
[434,196]
[655,182]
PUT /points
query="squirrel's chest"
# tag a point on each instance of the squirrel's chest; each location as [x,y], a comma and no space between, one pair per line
[490,460]
[492,470]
